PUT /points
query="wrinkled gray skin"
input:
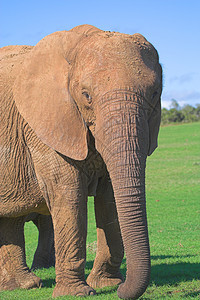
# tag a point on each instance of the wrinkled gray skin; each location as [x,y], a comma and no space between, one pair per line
[44,256]
[80,119]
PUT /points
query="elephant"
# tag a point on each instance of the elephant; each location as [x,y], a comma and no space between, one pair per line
[44,256]
[79,119]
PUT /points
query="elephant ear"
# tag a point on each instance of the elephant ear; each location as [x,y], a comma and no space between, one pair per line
[154,124]
[41,93]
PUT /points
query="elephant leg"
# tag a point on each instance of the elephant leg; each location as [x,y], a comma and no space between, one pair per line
[69,215]
[45,253]
[14,272]
[110,250]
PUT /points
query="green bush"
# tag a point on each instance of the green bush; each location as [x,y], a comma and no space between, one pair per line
[177,114]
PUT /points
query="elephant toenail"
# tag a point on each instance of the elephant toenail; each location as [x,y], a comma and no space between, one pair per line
[92,293]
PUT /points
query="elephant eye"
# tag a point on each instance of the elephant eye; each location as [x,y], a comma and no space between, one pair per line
[88,97]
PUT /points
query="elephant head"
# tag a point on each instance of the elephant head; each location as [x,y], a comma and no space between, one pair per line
[110,84]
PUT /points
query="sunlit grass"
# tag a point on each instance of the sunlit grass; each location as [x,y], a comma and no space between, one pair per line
[173,207]
[173,180]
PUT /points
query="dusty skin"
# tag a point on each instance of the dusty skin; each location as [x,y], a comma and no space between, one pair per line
[80,112]
[11,57]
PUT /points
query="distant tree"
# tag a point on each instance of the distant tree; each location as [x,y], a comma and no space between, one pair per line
[177,114]
[198,111]
[189,113]
[174,104]
[165,116]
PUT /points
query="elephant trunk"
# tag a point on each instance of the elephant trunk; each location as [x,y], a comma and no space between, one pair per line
[124,150]
[129,191]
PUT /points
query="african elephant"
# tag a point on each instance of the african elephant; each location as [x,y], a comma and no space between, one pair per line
[44,256]
[80,119]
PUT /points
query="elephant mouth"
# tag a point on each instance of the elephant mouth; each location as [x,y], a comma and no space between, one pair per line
[91,130]
[89,123]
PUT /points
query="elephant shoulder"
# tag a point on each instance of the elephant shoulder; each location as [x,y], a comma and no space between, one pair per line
[11,58]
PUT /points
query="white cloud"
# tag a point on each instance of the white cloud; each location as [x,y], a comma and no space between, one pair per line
[182,97]
[165,104]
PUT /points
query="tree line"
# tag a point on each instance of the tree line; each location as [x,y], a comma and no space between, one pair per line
[178,114]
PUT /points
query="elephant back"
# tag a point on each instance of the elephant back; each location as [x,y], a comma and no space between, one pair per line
[11,58]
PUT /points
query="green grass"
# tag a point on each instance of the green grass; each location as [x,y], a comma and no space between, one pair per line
[173,190]
[173,207]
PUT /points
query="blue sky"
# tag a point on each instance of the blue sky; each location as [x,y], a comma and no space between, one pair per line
[172,26]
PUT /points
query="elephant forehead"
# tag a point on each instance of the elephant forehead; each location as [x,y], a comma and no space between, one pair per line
[100,48]
[116,51]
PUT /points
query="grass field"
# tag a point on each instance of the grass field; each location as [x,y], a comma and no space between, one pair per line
[173,206]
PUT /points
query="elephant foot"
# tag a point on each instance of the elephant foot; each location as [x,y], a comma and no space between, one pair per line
[81,290]
[42,265]
[103,280]
[25,280]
